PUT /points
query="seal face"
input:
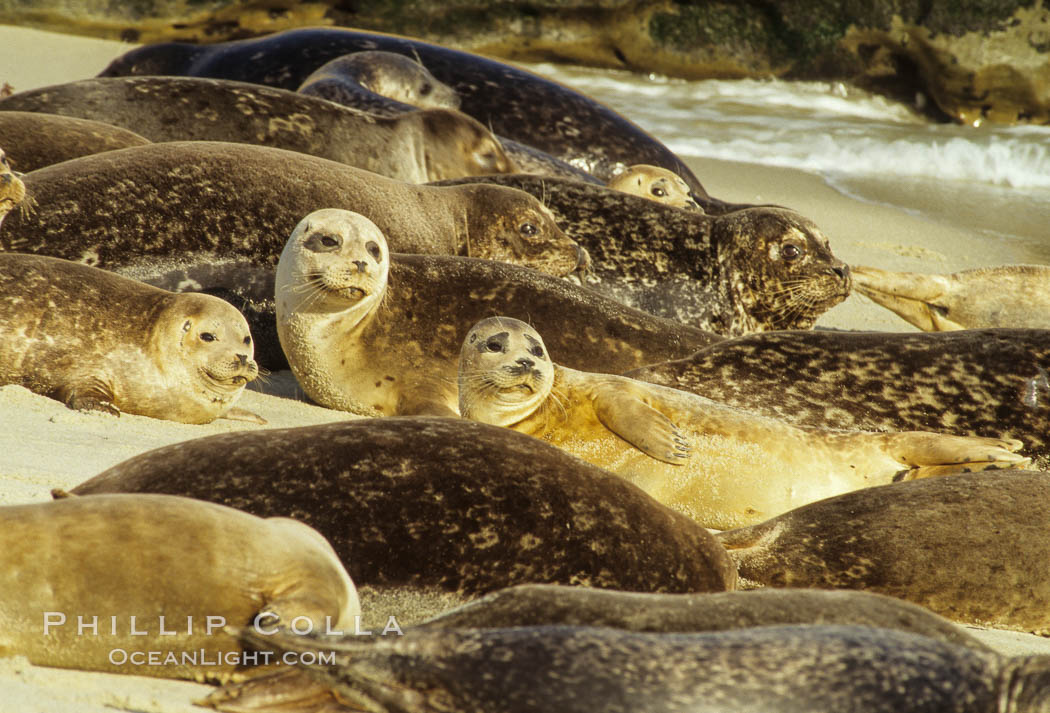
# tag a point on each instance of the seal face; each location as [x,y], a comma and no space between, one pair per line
[441,503]
[95,340]
[12,189]
[905,540]
[372,79]
[98,583]
[723,467]
[579,669]
[656,184]
[1006,296]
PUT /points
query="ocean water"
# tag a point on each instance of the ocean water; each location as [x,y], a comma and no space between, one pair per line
[991,179]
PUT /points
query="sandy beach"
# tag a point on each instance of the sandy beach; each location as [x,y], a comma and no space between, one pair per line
[45,445]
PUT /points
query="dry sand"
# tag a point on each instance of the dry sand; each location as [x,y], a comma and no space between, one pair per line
[45,445]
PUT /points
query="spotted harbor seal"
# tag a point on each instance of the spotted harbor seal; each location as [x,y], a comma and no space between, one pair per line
[656,184]
[96,340]
[12,189]
[145,584]
[1005,296]
[989,382]
[380,334]
[513,102]
[722,466]
[228,209]
[416,147]
[441,503]
[583,669]
[556,605]
[36,140]
[755,269]
[965,547]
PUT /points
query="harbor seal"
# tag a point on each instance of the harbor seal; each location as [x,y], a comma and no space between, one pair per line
[36,140]
[556,605]
[1005,296]
[441,503]
[145,584]
[418,146]
[228,209]
[380,334]
[988,382]
[756,269]
[583,669]
[656,184]
[512,102]
[963,547]
[722,466]
[12,189]
[95,340]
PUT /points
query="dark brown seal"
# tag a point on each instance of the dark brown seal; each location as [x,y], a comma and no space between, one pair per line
[756,269]
[582,670]
[969,547]
[515,103]
[988,382]
[226,212]
[433,502]
[417,146]
[34,140]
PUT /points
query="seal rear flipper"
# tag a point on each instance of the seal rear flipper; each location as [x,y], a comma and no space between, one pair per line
[914,297]
[287,691]
[641,425]
[929,454]
[93,395]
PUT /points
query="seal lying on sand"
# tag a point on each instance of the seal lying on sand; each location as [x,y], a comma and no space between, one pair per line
[79,577]
[1006,296]
[752,270]
[36,140]
[96,340]
[12,189]
[989,382]
[228,209]
[965,547]
[380,334]
[513,102]
[722,466]
[555,605]
[656,184]
[416,147]
[441,503]
[581,670]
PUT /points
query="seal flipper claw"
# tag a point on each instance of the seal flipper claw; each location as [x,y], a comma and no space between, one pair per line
[96,395]
[642,426]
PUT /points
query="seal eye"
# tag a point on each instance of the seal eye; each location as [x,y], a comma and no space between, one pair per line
[658,192]
[425,89]
[494,346]
[329,242]
[373,249]
[207,337]
[528,229]
[536,351]
[247,340]
[790,252]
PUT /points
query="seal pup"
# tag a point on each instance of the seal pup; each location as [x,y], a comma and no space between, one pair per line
[12,189]
[441,503]
[557,605]
[106,583]
[656,184]
[36,140]
[987,382]
[95,340]
[756,269]
[228,209]
[512,102]
[722,466]
[418,146]
[963,547]
[380,334]
[1005,296]
[583,669]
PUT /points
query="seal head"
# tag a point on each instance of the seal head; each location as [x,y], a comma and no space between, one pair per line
[387,74]
[656,184]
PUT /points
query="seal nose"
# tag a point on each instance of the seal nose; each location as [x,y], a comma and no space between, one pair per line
[583,258]
[841,270]
[243,358]
[361,265]
[525,363]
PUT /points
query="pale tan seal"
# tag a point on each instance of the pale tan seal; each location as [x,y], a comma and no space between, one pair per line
[380,334]
[12,189]
[722,466]
[656,184]
[79,576]
[96,340]
[1005,296]
[370,79]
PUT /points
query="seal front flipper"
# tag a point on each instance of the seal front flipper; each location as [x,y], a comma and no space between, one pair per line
[286,691]
[92,395]
[641,425]
[239,414]
[916,298]
[931,454]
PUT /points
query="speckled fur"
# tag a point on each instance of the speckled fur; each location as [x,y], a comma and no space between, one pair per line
[34,140]
[441,502]
[515,103]
[988,382]
[969,547]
